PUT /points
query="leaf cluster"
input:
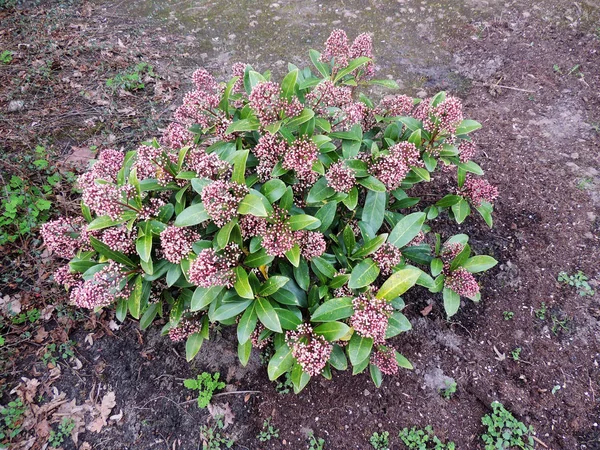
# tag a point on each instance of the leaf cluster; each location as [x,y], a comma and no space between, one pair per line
[423,439]
[504,431]
[206,385]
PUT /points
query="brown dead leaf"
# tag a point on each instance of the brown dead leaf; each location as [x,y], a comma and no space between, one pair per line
[27,389]
[42,429]
[41,335]
[108,403]
[427,309]
[75,412]
[89,339]
[223,411]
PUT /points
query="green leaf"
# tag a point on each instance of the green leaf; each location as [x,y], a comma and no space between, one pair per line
[192,215]
[479,263]
[121,312]
[397,323]
[204,296]
[385,83]
[399,282]
[319,192]
[272,285]
[448,200]
[288,85]
[244,352]
[315,57]
[461,210]
[363,274]
[403,362]
[437,266]
[332,331]
[338,358]
[250,124]
[332,310]
[326,214]
[102,222]
[370,246]
[422,173]
[411,123]
[247,325]
[451,301]
[288,320]
[293,255]
[372,183]
[407,229]
[301,275]
[149,315]
[273,189]
[105,250]
[359,349]
[143,244]
[192,346]
[239,166]
[323,266]
[267,315]
[252,204]
[258,259]
[376,375]
[470,166]
[485,210]
[229,309]
[242,285]
[351,67]
[280,363]
[415,138]
[467,126]
[304,116]
[224,233]
[374,209]
[135,299]
[304,222]
[299,378]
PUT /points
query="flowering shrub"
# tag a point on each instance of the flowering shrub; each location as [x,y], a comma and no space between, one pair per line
[282,209]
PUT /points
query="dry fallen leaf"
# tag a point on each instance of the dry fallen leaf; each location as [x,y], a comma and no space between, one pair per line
[41,335]
[223,411]
[108,403]
[427,309]
[89,339]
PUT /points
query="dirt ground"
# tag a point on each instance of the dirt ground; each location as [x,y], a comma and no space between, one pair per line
[530,76]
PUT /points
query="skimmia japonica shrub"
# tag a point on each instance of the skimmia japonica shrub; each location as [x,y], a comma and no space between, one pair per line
[282,209]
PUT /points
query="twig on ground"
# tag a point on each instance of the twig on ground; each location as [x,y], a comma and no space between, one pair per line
[504,87]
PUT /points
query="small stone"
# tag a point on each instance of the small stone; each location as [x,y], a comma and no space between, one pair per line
[575,155]
[16,105]
[421,94]
[366,393]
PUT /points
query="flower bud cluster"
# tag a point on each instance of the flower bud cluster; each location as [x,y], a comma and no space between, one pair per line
[312,351]
[370,318]
[211,269]
[340,177]
[391,169]
[300,158]
[312,243]
[64,236]
[120,239]
[385,360]
[478,190]
[387,257]
[221,200]
[269,149]
[176,243]
[462,282]
[105,287]
[184,329]
[206,165]
[278,237]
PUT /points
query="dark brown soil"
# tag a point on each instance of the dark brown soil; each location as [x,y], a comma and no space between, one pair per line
[539,146]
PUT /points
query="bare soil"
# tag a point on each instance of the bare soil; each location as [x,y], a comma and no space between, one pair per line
[539,144]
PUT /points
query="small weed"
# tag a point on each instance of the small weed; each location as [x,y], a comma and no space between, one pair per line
[555,389]
[504,431]
[206,385]
[559,325]
[556,68]
[508,315]
[531,98]
[6,57]
[380,441]
[132,79]
[315,443]
[54,354]
[541,313]
[212,439]
[450,389]
[584,183]
[578,281]
[64,430]
[575,71]
[516,354]
[416,439]
[31,316]
[284,385]
[11,420]
[268,432]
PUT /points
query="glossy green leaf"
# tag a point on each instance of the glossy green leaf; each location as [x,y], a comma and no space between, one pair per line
[363,274]
[303,222]
[105,250]
[451,302]
[399,282]
[280,363]
[192,346]
[332,310]
[192,215]
[204,296]
[374,209]
[267,315]
[332,331]
[359,349]
[242,285]
[479,263]
[247,324]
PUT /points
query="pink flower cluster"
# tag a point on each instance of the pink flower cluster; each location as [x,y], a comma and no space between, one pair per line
[326,95]
[300,158]
[385,360]
[206,165]
[120,239]
[211,269]
[221,200]
[267,104]
[337,47]
[340,177]
[176,136]
[105,287]
[370,318]
[184,329]
[451,251]
[278,237]
[398,105]
[312,243]
[252,226]
[257,342]
[269,149]
[151,208]
[152,162]
[467,150]
[446,116]
[462,282]
[176,243]
[392,168]
[64,237]
[387,257]
[199,106]
[418,239]
[311,350]
[479,191]
[64,276]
